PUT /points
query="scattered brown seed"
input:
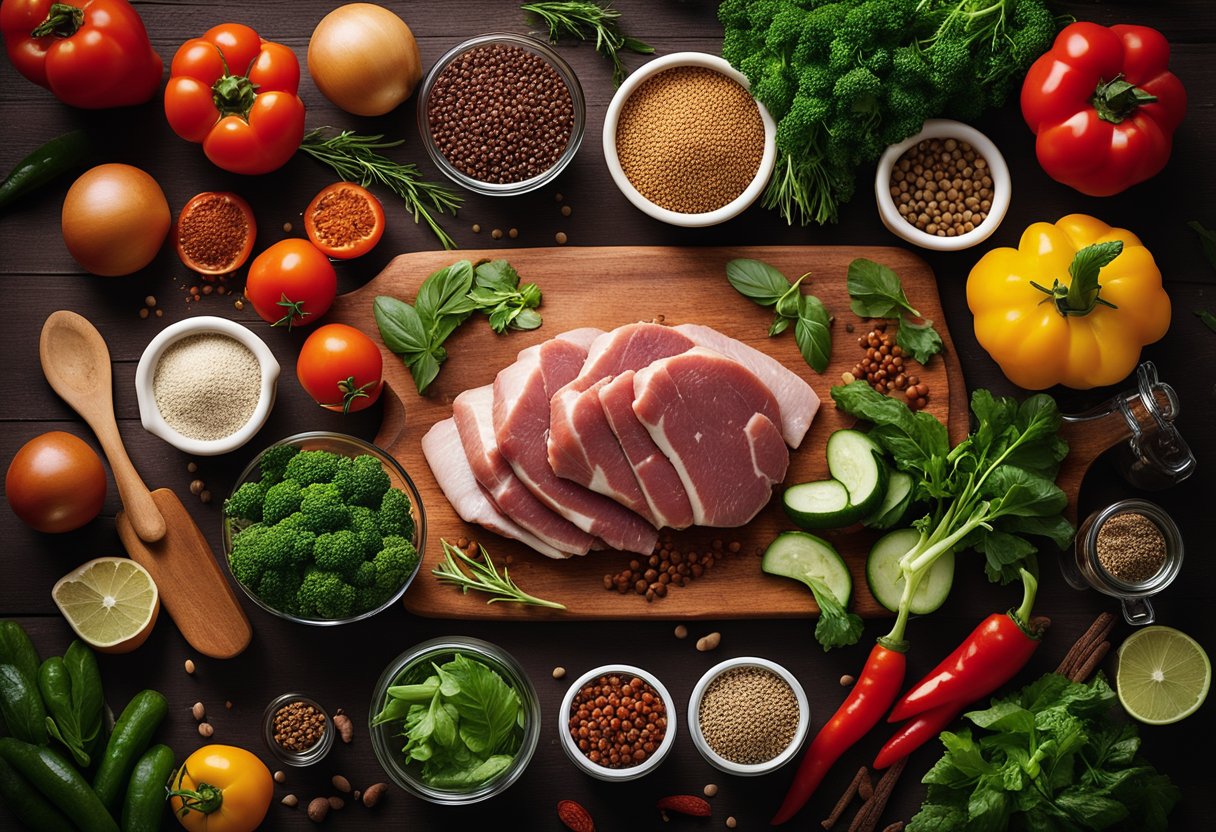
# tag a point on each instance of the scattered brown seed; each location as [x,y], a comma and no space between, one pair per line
[513,233]
[290,800]
[143,313]
[559,672]
[341,783]
[196,487]
[846,680]
[287,228]
[710,790]
[160,313]
[373,794]
[567,210]
[318,809]
[238,304]
[476,228]
[228,704]
[189,665]
[681,631]
[205,496]
[205,729]
[561,238]
[344,726]
[191,467]
[280,776]
[731,823]
[558,197]
[709,642]
[150,300]
[199,712]
[336,803]
[496,233]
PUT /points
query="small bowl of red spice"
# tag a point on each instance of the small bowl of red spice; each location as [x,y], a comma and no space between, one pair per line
[616,723]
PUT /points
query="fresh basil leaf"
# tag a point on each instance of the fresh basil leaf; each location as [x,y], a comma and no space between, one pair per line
[836,626]
[400,327]
[526,319]
[790,303]
[812,334]
[876,291]
[921,341]
[442,295]
[423,367]
[496,273]
[757,280]
[780,324]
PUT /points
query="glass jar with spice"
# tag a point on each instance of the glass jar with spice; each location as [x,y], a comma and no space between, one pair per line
[1130,550]
[298,731]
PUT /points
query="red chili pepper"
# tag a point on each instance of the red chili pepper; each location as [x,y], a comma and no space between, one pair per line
[916,732]
[874,691]
[988,658]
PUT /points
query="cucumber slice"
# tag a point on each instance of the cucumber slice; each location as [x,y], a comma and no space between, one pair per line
[887,582]
[895,504]
[855,460]
[799,555]
[820,505]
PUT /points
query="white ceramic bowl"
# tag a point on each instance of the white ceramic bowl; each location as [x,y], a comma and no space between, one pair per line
[726,212]
[717,760]
[145,372]
[940,128]
[581,760]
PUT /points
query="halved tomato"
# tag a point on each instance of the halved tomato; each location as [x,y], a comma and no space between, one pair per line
[344,220]
[214,233]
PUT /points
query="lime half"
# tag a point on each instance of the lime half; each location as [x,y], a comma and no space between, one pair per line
[1163,675]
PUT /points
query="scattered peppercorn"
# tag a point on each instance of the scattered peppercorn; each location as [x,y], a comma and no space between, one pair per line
[567,210]
[476,228]
[561,238]
[143,313]
[666,567]
[298,726]
[160,313]
[1131,547]
[496,233]
[513,233]
[681,631]
[943,187]
[748,715]
[287,228]
[617,722]
[885,367]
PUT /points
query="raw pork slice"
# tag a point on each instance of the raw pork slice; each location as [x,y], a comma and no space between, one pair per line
[656,475]
[794,396]
[522,393]
[582,445]
[718,424]
[473,411]
[445,454]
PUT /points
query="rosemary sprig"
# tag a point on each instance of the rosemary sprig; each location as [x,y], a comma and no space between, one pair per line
[355,158]
[485,578]
[585,19]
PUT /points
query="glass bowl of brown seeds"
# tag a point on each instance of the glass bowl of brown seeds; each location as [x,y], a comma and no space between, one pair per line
[297,730]
[947,188]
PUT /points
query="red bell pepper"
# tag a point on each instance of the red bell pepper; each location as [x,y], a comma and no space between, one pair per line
[874,691]
[1104,106]
[235,93]
[90,53]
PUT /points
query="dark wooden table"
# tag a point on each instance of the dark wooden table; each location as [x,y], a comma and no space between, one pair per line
[339,665]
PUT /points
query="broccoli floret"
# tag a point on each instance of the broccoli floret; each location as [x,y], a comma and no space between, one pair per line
[245,560]
[246,502]
[338,552]
[323,508]
[365,576]
[325,594]
[282,500]
[363,523]
[394,516]
[362,481]
[393,565]
[278,588]
[274,462]
[308,467]
[269,547]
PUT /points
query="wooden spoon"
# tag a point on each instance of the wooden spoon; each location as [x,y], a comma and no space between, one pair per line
[76,361]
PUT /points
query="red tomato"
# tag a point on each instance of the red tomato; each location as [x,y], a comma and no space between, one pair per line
[56,483]
[344,220]
[291,283]
[235,94]
[341,368]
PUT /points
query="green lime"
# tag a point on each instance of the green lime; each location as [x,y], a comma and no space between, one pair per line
[1163,675]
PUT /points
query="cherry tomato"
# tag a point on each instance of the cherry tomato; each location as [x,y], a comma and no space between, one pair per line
[341,368]
[291,284]
[344,220]
[56,483]
[215,232]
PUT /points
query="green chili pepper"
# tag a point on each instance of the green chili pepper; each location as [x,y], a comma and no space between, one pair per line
[51,160]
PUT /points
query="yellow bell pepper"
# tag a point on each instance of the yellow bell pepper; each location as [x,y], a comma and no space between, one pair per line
[1073,304]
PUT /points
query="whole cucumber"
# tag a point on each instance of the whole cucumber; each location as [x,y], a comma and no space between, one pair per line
[60,783]
[17,649]
[132,736]
[21,706]
[28,804]
[143,808]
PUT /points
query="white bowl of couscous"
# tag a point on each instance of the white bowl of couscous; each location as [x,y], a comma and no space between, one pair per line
[685,141]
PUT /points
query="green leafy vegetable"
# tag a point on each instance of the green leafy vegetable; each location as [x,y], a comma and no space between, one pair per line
[877,292]
[462,724]
[1208,238]
[1209,320]
[836,626]
[445,300]
[484,577]
[1049,757]
[585,20]
[767,286]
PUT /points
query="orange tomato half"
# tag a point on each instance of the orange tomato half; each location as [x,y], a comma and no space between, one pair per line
[344,220]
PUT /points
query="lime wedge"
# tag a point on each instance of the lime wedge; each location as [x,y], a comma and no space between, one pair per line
[111,603]
[1163,675]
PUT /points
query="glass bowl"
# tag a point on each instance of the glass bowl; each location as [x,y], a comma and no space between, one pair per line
[386,738]
[299,759]
[507,188]
[350,446]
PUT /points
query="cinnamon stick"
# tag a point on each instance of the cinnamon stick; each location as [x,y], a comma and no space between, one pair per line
[870,813]
[862,774]
[1098,632]
[898,826]
[865,789]
[1091,664]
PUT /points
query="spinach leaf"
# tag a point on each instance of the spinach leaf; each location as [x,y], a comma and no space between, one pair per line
[921,341]
[913,438]
[876,291]
[811,333]
[757,280]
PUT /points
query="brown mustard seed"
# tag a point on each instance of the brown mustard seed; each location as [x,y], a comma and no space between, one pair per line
[943,187]
[667,567]
[690,139]
[617,721]
[748,715]
[1131,547]
[298,726]
[143,313]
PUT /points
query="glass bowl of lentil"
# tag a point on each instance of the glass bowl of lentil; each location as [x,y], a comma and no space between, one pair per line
[206,385]
[590,733]
[965,204]
[501,114]
[748,716]
[413,666]
[687,143]
[348,446]
[297,730]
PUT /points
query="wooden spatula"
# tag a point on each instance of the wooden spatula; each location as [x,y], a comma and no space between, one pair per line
[155,527]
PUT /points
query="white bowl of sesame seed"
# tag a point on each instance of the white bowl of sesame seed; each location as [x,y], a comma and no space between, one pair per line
[748,716]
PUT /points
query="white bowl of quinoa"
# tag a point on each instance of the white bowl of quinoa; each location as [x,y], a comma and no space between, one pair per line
[687,143]
[206,385]
[748,716]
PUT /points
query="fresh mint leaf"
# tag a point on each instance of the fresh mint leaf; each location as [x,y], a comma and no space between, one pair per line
[989,806]
[964,754]
[877,291]
[1006,716]
[400,327]
[757,280]
[1092,811]
[836,626]
[921,341]
[526,319]
[812,333]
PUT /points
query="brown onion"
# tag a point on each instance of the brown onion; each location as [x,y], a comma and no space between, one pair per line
[115,218]
[364,59]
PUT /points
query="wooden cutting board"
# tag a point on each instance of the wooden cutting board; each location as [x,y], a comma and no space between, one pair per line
[606,287]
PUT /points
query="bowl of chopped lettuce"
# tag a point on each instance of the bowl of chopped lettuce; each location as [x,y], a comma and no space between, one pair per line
[323,528]
[454,720]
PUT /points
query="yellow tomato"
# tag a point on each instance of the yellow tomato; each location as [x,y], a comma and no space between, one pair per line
[221,788]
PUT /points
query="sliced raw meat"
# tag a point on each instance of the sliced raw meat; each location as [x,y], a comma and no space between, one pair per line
[522,393]
[445,454]
[718,424]
[655,474]
[473,411]
[794,396]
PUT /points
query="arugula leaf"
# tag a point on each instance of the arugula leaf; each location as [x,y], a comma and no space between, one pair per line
[921,341]
[812,335]
[836,627]
[876,291]
[757,280]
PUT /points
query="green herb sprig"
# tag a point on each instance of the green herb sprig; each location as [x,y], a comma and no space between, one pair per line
[877,293]
[484,578]
[586,20]
[355,158]
[767,286]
